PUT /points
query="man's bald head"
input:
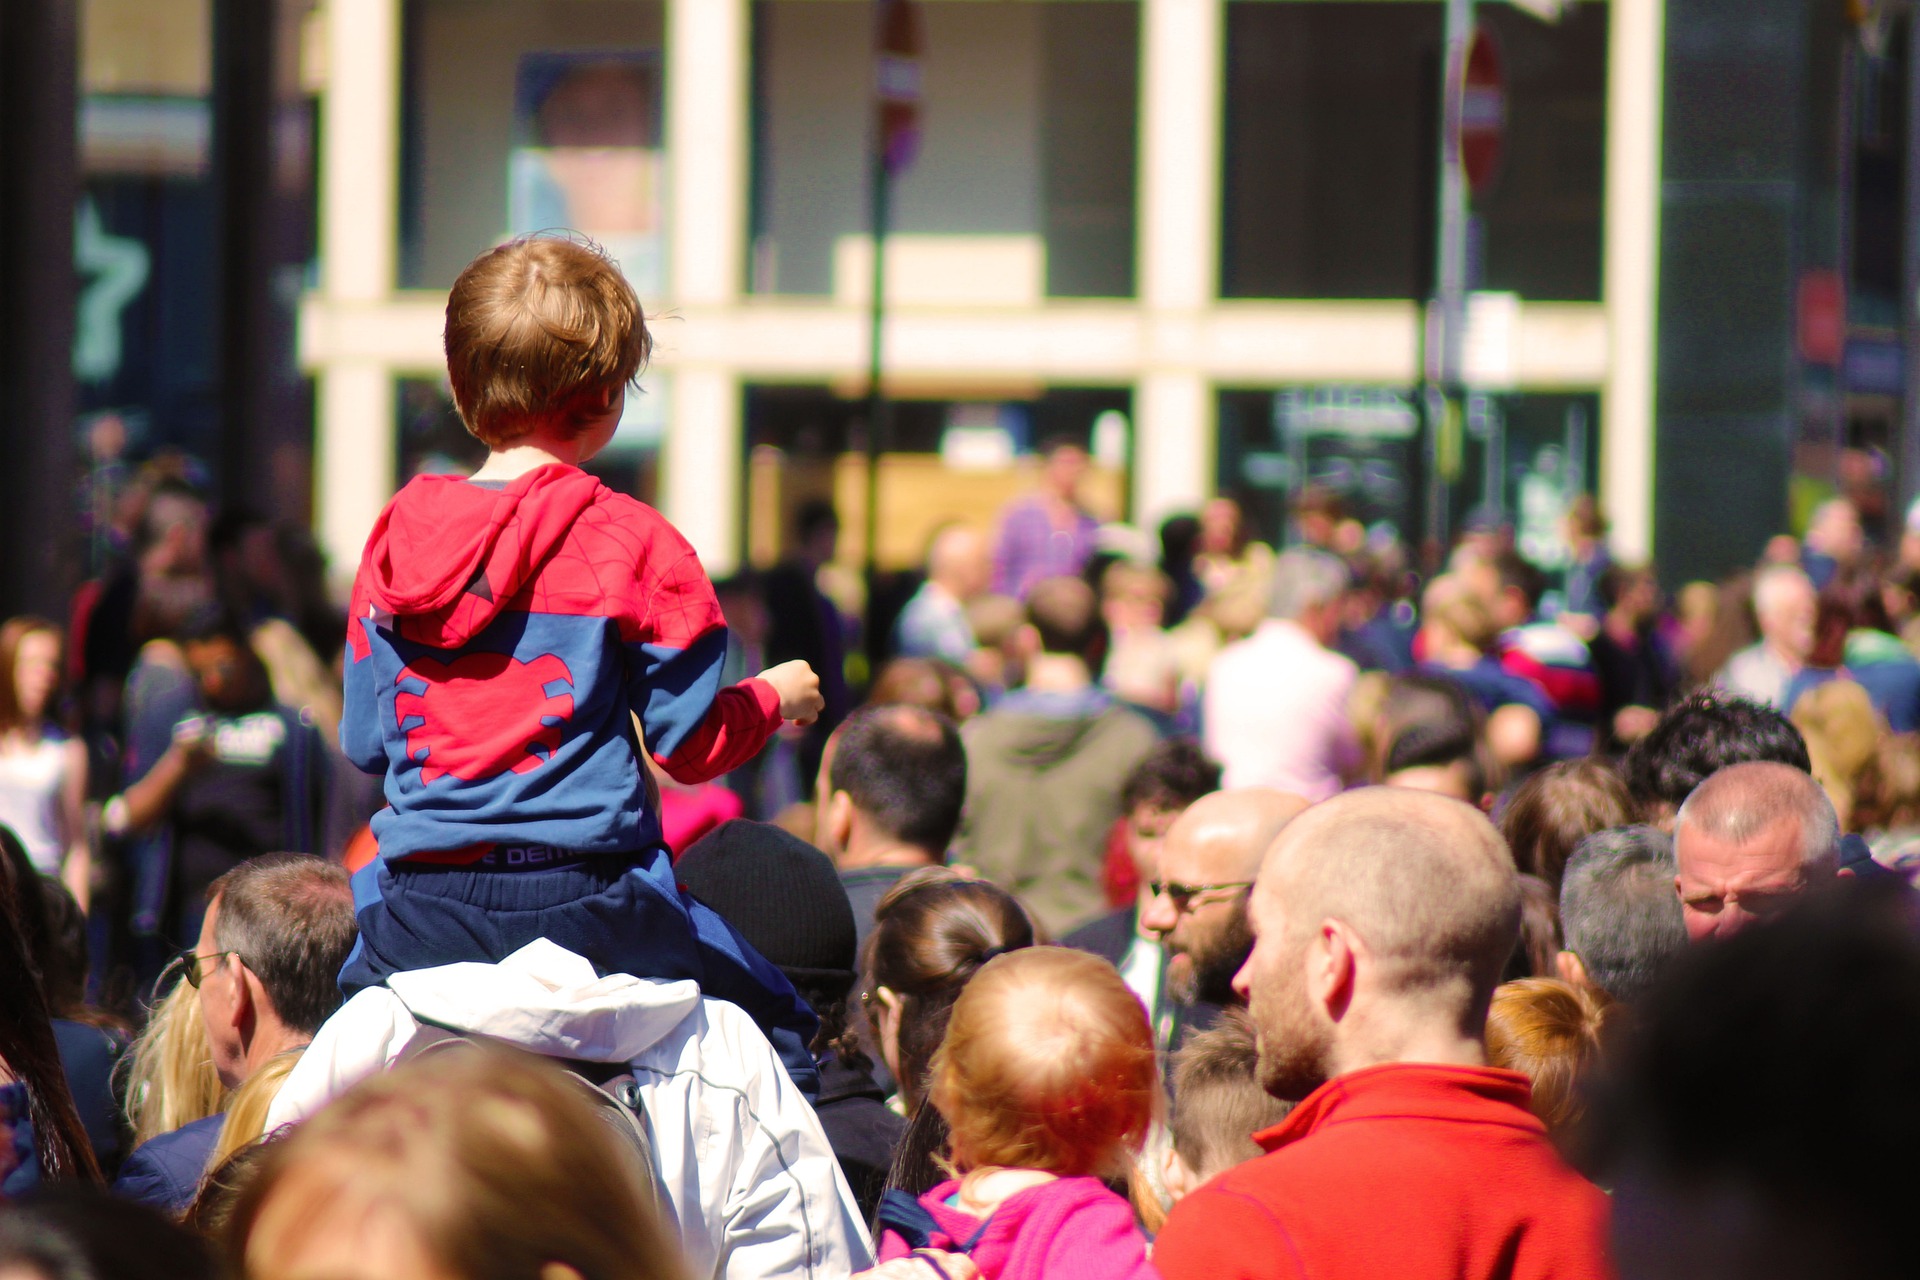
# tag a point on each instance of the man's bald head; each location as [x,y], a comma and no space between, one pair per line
[1425,881]
[1199,907]
[1748,841]
[1741,801]
[958,559]
[1228,833]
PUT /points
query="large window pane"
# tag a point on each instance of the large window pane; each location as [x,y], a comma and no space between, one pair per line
[526,114]
[145,236]
[1542,214]
[1026,168]
[1330,148]
[1331,141]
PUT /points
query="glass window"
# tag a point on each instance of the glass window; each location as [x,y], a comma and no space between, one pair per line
[1330,152]
[145,239]
[951,460]
[1024,182]
[1541,218]
[1523,458]
[529,114]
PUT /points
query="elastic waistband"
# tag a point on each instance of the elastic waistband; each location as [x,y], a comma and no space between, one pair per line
[510,857]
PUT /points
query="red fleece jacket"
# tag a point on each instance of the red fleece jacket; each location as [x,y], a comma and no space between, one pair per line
[1410,1170]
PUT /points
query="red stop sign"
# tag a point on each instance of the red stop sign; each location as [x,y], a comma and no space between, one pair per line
[897,82]
[1480,112]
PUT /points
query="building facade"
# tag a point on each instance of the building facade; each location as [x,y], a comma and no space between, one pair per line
[1191,231]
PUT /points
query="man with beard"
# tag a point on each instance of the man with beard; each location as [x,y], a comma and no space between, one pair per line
[1199,904]
[1382,920]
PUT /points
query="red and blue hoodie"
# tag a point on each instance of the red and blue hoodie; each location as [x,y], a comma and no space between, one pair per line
[501,640]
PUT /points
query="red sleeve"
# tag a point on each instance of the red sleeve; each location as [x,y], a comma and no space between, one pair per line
[732,732]
[1119,876]
[1218,1235]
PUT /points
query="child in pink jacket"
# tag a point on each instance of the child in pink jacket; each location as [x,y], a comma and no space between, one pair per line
[1047,1081]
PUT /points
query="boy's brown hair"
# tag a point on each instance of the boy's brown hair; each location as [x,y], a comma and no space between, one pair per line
[541,331]
[1218,1104]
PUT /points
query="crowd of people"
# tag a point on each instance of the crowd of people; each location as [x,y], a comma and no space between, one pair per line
[1193,911]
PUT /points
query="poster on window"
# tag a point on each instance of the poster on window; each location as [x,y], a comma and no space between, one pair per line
[587,158]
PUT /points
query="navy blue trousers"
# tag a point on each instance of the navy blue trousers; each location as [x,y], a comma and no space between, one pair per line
[624,913]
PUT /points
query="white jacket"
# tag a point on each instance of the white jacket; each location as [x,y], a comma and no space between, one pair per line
[753,1186]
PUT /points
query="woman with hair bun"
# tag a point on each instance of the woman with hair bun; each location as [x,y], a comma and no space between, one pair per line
[932,932]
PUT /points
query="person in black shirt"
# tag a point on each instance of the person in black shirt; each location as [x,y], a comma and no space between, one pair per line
[243,776]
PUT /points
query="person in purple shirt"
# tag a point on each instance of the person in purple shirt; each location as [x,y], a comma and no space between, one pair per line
[1046,534]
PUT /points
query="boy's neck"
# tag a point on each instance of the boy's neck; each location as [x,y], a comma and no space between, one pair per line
[512,461]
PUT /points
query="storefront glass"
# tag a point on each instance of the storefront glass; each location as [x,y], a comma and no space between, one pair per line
[1024,184]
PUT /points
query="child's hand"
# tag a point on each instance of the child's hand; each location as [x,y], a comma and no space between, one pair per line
[799,690]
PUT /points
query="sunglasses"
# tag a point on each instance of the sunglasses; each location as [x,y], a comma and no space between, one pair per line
[1182,895]
[194,967]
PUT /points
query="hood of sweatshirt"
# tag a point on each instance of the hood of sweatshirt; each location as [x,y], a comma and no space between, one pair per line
[547,1000]
[1038,730]
[449,553]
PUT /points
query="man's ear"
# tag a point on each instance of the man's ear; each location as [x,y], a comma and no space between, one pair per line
[1332,968]
[837,822]
[249,998]
[1571,969]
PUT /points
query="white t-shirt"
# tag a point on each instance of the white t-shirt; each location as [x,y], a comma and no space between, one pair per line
[30,786]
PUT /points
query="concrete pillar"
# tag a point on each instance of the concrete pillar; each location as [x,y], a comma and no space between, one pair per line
[1636,65]
[1173,452]
[354,412]
[39,185]
[707,103]
[1182,49]
[354,420]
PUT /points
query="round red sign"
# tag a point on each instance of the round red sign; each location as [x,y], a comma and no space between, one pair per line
[1480,113]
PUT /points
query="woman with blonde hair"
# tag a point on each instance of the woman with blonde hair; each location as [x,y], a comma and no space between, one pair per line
[170,1077]
[1887,803]
[473,1164]
[246,1121]
[1842,731]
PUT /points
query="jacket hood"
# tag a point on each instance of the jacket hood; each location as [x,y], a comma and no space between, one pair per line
[451,553]
[1039,730]
[548,1000]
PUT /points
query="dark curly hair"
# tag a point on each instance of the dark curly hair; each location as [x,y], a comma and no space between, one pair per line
[1698,737]
[1171,776]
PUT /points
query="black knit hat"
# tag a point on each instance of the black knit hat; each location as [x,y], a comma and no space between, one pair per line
[784,897]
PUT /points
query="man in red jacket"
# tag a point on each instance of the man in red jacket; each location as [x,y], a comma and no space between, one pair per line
[1382,920]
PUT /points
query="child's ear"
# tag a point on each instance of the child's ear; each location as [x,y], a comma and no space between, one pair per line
[1179,1179]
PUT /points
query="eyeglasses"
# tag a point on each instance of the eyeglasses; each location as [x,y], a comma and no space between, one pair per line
[1182,895]
[194,966]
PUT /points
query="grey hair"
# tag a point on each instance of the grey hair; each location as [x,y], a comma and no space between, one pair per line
[1743,800]
[1303,579]
[1618,910]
